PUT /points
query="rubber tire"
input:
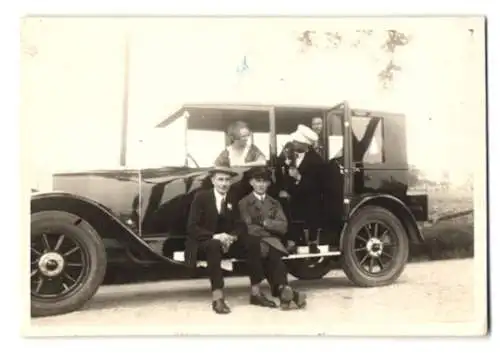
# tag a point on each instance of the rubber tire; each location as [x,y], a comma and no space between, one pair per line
[298,268]
[364,215]
[88,238]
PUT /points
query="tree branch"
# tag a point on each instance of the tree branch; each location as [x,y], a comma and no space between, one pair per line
[334,40]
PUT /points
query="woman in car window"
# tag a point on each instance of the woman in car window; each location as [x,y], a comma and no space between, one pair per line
[241,151]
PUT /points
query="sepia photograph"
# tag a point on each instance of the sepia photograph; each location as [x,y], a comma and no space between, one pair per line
[254,175]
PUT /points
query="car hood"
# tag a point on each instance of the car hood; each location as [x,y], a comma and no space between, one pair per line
[147,175]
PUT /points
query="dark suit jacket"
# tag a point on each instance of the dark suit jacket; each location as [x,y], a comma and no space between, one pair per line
[254,212]
[202,222]
[307,199]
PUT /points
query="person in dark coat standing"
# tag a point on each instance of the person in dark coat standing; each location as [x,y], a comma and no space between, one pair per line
[214,229]
[317,127]
[266,228]
[304,183]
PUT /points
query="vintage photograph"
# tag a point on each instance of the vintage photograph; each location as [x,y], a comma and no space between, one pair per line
[254,176]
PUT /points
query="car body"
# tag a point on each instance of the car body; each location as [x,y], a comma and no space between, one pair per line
[139,215]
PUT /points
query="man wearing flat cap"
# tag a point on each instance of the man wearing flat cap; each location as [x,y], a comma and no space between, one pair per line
[266,227]
[304,183]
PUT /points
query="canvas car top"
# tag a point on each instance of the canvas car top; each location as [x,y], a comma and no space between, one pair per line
[247,107]
[192,108]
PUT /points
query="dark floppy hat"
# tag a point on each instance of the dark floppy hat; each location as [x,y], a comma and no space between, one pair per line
[223,169]
[259,172]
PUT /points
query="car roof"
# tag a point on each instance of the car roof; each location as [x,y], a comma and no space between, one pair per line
[256,106]
[242,106]
[252,106]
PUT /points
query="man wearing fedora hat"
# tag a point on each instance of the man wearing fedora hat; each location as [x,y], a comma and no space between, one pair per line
[212,231]
[266,226]
[304,182]
[215,228]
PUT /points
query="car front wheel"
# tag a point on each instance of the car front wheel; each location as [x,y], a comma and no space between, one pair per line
[374,248]
[68,263]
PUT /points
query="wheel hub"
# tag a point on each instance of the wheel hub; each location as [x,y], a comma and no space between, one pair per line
[374,247]
[51,264]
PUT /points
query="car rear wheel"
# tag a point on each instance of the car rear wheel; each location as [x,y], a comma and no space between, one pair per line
[68,263]
[375,247]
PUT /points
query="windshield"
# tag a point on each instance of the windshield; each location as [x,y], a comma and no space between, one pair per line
[203,137]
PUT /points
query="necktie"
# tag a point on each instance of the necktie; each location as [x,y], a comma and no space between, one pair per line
[223,205]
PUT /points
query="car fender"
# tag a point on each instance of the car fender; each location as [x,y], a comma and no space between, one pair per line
[393,204]
[107,224]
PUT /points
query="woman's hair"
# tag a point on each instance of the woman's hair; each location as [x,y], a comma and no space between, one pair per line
[233,130]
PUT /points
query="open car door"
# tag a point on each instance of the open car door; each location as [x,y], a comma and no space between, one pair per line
[339,153]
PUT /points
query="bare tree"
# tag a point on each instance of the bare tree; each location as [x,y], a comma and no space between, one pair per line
[335,40]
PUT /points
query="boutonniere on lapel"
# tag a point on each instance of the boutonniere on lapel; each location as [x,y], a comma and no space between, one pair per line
[229,206]
[273,211]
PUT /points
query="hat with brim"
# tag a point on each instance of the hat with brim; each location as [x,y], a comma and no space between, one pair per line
[305,135]
[259,172]
[223,170]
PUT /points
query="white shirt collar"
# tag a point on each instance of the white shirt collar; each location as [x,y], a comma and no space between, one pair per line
[218,199]
[219,196]
[259,197]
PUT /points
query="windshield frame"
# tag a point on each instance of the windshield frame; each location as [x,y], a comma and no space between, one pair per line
[185,112]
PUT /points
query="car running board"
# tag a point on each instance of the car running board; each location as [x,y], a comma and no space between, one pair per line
[302,252]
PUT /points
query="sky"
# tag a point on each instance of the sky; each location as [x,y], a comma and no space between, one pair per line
[72,79]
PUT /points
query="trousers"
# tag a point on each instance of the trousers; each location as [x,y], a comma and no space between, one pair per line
[260,267]
[265,265]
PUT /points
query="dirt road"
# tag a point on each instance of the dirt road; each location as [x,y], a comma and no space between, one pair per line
[427,293]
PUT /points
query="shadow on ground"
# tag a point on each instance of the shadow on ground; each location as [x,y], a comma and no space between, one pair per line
[137,296]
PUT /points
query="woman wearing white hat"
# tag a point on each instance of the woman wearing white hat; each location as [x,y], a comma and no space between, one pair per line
[304,182]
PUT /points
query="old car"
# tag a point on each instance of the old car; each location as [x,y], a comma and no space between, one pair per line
[94,219]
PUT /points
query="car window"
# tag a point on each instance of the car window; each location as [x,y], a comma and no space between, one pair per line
[287,121]
[204,146]
[261,140]
[210,135]
[335,137]
[369,140]
[281,141]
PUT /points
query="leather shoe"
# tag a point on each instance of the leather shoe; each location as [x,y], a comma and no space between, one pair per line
[286,297]
[289,296]
[262,300]
[299,298]
[220,307]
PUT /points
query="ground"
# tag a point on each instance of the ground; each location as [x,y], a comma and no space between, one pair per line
[451,238]
[449,201]
[426,295]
